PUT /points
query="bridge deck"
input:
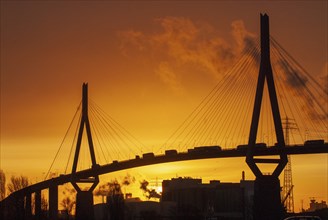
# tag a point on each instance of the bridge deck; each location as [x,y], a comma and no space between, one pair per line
[184,156]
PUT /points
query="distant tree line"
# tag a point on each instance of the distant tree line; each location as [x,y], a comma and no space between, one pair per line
[2,185]
[16,183]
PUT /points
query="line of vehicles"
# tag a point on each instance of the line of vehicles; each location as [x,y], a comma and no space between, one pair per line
[216,149]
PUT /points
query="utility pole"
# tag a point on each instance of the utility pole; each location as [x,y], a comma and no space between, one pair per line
[287,191]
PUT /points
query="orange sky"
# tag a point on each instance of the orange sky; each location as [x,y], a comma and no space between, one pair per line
[148,64]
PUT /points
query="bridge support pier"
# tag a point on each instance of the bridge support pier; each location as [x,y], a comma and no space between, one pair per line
[38,209]
[28,206]
[84,205]
[53,202]
[20,211]
[2,211]
[267,201]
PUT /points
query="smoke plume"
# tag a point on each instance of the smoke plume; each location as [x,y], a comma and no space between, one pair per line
[150,193]
[128,179]
[114,186]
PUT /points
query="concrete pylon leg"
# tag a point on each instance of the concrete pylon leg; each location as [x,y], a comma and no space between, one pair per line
[84,206]
[267,201]
[38,205]
[28,206]
[20,208]
[53,202]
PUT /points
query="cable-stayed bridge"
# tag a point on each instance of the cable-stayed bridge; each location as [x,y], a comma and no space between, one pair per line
[223,125]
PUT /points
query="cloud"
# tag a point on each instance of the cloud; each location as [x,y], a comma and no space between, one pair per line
[181,42]
[293,78]
[168,76]
[131,39]
[244,39]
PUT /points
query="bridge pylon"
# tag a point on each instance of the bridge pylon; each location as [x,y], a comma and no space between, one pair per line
[84,198]
[267,201]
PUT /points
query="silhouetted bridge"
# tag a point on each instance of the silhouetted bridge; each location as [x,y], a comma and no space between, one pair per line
[148,159]
[185,156]
[166,158]
[267,203]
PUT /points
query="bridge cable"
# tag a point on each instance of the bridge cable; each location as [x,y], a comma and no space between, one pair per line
[73,143]
[276,43]
[195,128]
[231,99]
[296,102]
[294,66]
[107,135]
[238,98]
[123,130]
[282,94]
[212,108]
[97,137]
[118,130]
[114,136]
[61,144]
[300,93]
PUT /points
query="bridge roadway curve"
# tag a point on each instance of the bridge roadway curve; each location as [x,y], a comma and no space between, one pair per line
[184,156]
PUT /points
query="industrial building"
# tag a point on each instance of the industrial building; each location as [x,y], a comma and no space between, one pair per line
[213,200]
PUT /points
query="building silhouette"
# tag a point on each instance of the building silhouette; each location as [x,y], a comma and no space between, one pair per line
[214,200]
[314,205]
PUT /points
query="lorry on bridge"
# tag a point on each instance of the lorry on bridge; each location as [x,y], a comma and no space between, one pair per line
[205,149]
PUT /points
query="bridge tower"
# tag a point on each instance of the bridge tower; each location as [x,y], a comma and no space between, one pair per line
[84,198]
[267,200]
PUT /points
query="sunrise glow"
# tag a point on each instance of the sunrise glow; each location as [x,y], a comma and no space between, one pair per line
[149,65]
